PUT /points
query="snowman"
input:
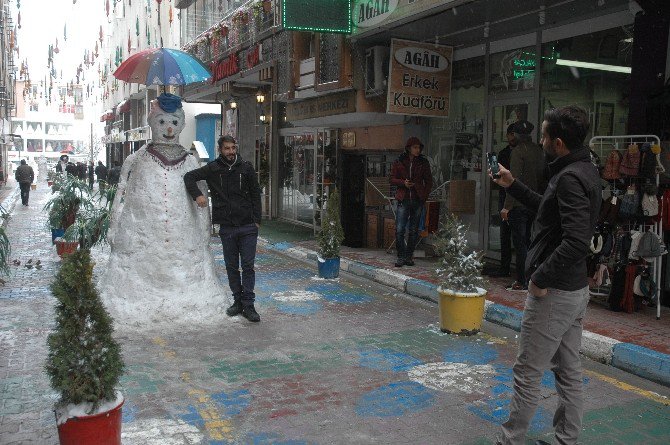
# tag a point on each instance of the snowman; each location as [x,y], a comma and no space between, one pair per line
[160,269]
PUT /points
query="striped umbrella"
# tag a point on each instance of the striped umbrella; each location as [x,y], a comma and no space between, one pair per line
[162,66]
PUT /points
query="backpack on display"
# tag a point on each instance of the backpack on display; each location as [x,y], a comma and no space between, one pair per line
[612,164]
[630,203]
[630,163]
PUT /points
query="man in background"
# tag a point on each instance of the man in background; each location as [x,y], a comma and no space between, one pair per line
[24,176]
[526,164]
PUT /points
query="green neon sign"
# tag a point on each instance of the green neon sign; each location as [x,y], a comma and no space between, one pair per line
[333,16]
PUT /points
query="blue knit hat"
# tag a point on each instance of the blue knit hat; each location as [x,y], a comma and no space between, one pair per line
[169,102]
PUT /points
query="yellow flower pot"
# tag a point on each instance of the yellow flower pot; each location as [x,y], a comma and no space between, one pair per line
[461,312]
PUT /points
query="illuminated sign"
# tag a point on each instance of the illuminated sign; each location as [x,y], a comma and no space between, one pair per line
[330,16]
[368,13]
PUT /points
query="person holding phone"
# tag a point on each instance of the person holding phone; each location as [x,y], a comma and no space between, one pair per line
[410,173]
[558,292]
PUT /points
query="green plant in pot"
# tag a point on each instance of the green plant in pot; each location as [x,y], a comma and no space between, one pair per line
[92,221]
[69,195]
[84,363]
[461,285]
[330,238]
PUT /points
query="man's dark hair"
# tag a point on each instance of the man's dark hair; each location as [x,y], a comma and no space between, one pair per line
[570,123]
[23,162]
[226,138]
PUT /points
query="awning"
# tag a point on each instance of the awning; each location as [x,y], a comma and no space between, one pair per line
[200,149]
[107,116]
[123,107]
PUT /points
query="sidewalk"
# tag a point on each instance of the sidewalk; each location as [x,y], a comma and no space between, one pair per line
[636,343]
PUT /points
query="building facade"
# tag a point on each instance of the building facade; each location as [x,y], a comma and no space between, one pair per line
[8,73]
[341,94]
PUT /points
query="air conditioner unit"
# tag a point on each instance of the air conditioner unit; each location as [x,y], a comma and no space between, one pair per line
[376,70]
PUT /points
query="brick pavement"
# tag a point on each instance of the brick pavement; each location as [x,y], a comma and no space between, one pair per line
[332,362]
[639,328]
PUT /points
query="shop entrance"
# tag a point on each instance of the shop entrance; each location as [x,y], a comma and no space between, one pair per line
[353,199]
[502,113]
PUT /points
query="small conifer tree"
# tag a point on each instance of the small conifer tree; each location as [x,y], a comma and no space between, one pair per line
[460,269]
[84,362]
[331,235]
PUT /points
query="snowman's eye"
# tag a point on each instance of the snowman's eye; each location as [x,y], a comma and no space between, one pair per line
[175,122]
[161,121]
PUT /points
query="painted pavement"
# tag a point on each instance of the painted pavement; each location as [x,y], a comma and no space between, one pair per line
[342,361]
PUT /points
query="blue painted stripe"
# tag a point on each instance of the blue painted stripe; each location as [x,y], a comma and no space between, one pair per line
[506,316]
[642,361]
[421,288]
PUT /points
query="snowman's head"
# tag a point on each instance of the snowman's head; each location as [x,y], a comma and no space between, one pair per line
[166,119]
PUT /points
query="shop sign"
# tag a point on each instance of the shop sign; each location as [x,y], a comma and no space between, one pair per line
[419,78]
[225,67]
[322,106]
[368,13]
[254,56]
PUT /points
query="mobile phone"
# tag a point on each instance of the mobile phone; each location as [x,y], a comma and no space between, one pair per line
[493,164]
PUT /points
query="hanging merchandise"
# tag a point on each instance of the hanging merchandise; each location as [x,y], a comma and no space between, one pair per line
[148,36]
[101,35]
[170,14]
[630,164]
[612,163]
[19,19]
[137,26]
[56,50]
[107,7]
[129,44]
[65,32]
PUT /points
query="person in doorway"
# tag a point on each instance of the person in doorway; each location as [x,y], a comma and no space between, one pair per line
[504,157]
[236,202]
[527,164]
[101,174]
[410,173]
[558,292]
[25,175]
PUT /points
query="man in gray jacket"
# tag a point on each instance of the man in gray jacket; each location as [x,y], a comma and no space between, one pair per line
[527,165]
[558,293]
[24,176]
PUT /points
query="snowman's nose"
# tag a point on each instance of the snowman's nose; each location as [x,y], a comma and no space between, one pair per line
[169,130]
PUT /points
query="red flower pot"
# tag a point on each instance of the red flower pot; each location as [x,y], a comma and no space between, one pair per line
[98,429]
[65,248]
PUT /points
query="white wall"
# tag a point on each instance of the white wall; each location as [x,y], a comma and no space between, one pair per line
[191,110]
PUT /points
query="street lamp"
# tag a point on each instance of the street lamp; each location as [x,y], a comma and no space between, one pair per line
[233,104]
[262,118]
[260,97]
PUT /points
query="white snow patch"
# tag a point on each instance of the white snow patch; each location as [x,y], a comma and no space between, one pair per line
[318,278]
[63,413]
[160,432]
[8,338]
[453,377]
[296,295]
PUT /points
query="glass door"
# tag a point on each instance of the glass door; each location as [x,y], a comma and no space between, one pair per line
[325,168]
[503,113]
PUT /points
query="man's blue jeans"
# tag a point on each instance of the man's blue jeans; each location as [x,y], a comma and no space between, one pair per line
[239,245]
[407,218]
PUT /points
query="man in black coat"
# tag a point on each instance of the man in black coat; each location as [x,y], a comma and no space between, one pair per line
[236,207]
[558,292]
[101,173]
[25,176]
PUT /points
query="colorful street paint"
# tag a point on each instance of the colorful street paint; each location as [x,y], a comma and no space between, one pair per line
[394,400]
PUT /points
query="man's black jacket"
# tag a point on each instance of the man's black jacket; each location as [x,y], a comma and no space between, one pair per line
[566,219]
[236,196]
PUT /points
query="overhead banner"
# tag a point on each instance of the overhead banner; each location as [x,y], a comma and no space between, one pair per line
[419,78]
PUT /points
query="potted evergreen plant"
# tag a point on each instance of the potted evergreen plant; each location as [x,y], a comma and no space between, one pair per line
[330,238]
[461,285]
[84,363]
[69,195]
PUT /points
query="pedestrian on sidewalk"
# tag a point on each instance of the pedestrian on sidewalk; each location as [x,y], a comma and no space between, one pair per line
[558,293]
[527,165]
[410,173]
[236,202]
[101,173]
[24,176]
[114,174]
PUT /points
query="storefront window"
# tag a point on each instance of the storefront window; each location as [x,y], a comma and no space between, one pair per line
[592,71]
[513,71]
[454,146]
[296,176]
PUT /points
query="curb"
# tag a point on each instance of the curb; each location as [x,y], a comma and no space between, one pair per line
[634,359]
[9,203]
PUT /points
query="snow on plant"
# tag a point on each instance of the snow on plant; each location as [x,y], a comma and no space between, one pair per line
[460,267]
[331,235]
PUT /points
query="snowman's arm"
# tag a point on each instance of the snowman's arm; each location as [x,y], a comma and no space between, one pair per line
[117,207]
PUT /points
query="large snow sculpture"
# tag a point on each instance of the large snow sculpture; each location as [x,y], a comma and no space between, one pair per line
[160,269]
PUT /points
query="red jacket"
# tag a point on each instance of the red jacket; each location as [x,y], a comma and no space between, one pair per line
[418,171]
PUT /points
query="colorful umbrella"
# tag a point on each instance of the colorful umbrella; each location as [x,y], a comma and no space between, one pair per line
[162,66]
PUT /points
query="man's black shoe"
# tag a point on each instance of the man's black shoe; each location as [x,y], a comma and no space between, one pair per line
[409,262]
[399,262]
[249,312]
[234,309]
